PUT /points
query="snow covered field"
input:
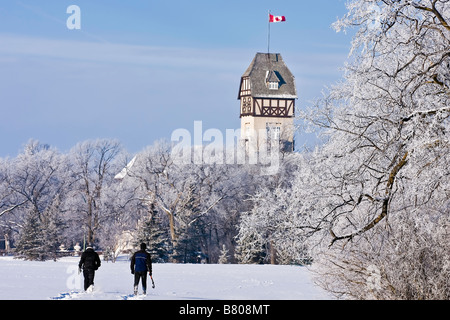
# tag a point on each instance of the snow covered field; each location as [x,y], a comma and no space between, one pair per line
[32,280]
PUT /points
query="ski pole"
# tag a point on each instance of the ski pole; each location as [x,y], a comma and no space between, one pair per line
[153,283]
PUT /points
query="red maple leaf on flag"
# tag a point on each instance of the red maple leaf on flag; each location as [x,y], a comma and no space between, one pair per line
[273,18]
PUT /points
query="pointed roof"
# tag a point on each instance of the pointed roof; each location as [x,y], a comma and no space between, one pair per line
[271,76]
[265,65]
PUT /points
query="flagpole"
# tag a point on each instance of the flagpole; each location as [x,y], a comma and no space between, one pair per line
[268,34]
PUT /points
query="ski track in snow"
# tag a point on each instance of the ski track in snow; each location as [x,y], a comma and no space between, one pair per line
[68,295]
[133,297]
[33,280]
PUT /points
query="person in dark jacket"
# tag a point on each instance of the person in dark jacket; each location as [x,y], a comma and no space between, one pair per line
[89,262]
[141,263]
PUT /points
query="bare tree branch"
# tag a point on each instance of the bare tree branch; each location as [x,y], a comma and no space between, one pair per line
[12,208]
[384,208]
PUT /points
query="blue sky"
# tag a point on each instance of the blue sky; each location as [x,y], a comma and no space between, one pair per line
[139,69]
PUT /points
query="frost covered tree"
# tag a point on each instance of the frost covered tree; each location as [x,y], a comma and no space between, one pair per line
[93,166]
[31,244]
[250,247]
[381,180]
[120,210]
[268,233]
[81,195]
[8,223]
[35,189]
[198,203]
[224,255]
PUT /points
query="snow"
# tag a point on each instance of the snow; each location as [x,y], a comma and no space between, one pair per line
[33,280]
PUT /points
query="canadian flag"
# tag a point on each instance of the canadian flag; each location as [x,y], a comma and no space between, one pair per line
[273,18]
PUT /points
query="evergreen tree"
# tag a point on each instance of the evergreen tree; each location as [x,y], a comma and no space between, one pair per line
[40,237]
[250,248]
[30,245]
[151,233]
[223,259]
[186,249]
[52,226]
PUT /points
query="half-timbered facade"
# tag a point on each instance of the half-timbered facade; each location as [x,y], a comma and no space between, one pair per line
[267,95]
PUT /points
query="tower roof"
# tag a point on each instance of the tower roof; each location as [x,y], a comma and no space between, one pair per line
[271,64]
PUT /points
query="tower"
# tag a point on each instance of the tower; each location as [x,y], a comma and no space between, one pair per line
[267,97]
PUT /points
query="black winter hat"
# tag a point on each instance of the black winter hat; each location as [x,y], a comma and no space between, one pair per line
[143,246]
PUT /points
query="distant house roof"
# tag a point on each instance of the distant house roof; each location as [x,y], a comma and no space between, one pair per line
[270,67]
[122,174]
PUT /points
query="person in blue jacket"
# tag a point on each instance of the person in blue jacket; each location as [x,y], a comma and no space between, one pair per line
[141,263]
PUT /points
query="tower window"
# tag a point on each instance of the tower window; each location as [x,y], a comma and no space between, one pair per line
[273,131]
[272,80]
[273,85]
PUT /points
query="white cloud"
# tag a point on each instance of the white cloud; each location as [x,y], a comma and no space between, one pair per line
[12,45]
